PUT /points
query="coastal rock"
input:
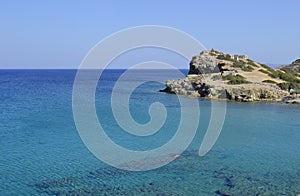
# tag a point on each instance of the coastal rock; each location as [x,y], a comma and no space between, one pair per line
[215,75]
[293,101]
[254,92]
[203,63]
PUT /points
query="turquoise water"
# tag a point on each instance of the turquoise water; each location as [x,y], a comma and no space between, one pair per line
[41,151]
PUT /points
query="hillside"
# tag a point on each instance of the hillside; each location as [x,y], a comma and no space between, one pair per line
[216,75]
[294,66]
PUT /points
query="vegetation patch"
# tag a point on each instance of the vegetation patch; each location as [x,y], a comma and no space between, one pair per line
[267,67]
[239,64]
[248,68]
[225,57]
[289,85]
[242,65]
[288,76]
[264,71]
[297,91]
[250,62]
[235,79]
[269,81]
[213,52]
[291,78]
[274,74]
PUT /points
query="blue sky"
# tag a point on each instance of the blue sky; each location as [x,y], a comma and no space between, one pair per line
[58,34]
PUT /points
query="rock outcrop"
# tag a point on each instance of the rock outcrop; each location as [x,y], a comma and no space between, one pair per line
[203,63]
[215,75]
[294,66]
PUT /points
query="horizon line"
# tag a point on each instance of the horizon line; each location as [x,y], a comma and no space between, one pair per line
[83,69]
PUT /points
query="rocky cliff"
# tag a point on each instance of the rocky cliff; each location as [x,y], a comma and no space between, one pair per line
[216,75]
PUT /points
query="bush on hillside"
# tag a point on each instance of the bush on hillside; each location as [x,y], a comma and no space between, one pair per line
[235,79]
[269,81]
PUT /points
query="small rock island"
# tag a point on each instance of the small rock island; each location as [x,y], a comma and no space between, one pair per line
[216,75]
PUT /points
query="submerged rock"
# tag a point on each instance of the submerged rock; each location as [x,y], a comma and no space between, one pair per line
[294,101]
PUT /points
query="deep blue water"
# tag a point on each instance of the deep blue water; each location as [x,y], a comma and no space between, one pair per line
[41,152]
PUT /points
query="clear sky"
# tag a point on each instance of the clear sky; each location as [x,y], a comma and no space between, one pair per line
[58,34]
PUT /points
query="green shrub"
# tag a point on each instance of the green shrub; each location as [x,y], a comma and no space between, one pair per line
[296,91]
[288,76]
[243,66]
[267,67]
[264,71]
[274,74]
[284,85]
[238,81]
[271,72]
[221,57]
[289,85]
[248,68]
[235,79]
[213,52]
[292,72]
[239,64]
[270,81]
[225,57]
[250,62]
[230,77]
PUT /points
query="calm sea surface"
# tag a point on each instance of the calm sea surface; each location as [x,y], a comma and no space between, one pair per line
[41,152]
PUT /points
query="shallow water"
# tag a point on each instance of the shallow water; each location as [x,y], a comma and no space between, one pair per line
[42,153]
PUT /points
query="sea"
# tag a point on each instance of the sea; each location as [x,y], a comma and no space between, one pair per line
[43,153]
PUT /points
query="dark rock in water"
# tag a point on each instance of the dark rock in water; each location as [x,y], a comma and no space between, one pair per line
[218,192]
[109,172]
[229,182]
[42,185]
[53,183]
[167,90]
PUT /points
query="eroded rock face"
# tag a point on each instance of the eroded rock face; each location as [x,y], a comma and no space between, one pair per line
[244,93]
[255,92]
[206,79]
[203,64]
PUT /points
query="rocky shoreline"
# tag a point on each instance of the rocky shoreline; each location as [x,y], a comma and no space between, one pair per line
[218,76]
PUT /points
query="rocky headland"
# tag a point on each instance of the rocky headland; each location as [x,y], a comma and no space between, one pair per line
[216,75]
